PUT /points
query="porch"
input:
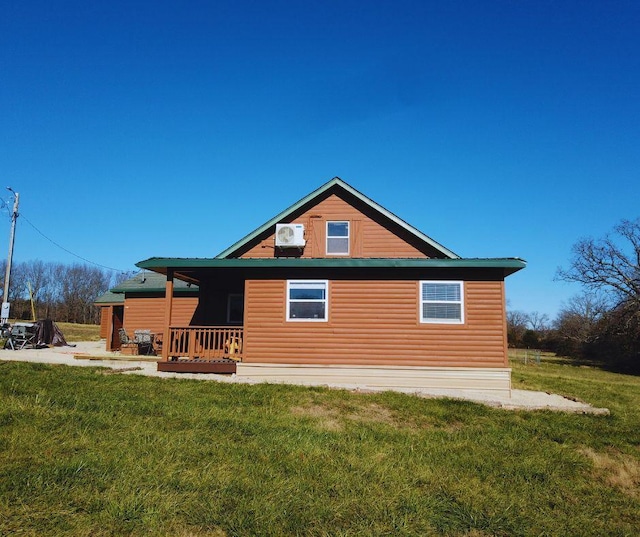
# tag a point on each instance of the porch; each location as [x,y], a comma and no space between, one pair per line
[202,349]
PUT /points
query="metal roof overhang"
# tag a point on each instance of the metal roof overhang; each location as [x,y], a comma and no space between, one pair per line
[194,269]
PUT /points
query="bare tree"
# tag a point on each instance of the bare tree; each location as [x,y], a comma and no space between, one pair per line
[517,322]
[18,284]
[80,287]
[605,328]
[590,306]
[539,322]
[118,277]
[61,292]
[579,316]
[17,289]
[36,276]
[609,264]
[51,295]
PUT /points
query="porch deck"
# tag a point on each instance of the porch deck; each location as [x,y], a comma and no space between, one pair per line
[202,349]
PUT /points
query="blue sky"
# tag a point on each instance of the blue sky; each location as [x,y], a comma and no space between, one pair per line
[140,129]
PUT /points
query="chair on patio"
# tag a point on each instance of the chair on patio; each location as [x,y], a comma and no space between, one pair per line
[144,339]
[124,338]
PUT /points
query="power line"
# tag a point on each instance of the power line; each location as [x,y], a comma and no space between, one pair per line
[5,205]
[69,251]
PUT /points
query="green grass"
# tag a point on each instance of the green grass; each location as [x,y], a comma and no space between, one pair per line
[85,452]
[80,332]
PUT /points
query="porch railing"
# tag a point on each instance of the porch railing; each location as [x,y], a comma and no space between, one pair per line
[205,342]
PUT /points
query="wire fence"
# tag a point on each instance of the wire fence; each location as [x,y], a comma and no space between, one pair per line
[526,356]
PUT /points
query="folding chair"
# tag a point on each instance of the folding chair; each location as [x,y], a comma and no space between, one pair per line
[144,339]
[124,338]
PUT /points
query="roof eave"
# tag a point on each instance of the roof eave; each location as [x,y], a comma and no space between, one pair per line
[507,265]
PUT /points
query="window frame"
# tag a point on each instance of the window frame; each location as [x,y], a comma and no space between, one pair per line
[288,317]
[422,302]
[348,237]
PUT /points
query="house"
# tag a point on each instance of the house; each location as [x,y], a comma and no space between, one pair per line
[110,303]
[138,303]
[337,289]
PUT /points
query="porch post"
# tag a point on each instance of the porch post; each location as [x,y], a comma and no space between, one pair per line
[110,327]
[168,306]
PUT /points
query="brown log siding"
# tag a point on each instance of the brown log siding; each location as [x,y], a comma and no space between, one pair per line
[375,323]
[147,313]
[369,238]
[105,320]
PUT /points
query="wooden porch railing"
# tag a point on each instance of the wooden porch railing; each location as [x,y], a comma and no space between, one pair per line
[205,342]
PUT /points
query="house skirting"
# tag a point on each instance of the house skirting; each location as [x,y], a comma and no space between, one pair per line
[406,378]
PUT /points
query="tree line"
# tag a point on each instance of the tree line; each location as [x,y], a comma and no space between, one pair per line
[63,293]
[602,322]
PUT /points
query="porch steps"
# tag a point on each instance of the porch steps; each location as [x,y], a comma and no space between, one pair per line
[198,366]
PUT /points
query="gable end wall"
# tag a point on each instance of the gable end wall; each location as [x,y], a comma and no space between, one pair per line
[369,237]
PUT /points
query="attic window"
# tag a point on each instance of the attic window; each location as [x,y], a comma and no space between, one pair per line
[338,238]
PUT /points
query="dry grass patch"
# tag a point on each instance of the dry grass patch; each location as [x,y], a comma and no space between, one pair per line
[334,418]
[327,418]
[618,470]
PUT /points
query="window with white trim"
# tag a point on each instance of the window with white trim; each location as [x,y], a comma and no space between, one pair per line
[307,300]
[441,302]
[338,238]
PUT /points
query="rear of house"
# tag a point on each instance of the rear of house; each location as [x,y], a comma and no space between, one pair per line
[338,289]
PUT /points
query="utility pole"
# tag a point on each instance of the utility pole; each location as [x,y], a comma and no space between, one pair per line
[5,294]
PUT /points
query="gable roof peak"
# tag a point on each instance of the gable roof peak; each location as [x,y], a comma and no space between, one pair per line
[336,182]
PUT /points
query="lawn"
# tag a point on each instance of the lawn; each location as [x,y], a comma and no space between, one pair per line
[80,332]
[87,452]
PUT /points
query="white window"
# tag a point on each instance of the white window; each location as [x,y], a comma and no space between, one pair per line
[307,300]
[441,302]
[338,238]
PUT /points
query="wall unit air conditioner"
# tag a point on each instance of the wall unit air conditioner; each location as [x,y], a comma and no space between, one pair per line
[290,236]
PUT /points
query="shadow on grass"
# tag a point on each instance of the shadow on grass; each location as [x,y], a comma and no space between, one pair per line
[536,357]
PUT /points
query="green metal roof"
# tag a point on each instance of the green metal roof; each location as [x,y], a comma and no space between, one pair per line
[339,183]
[151,282]
[109,298]
[160,264]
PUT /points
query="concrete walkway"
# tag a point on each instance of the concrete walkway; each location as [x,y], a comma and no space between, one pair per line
[92,354]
